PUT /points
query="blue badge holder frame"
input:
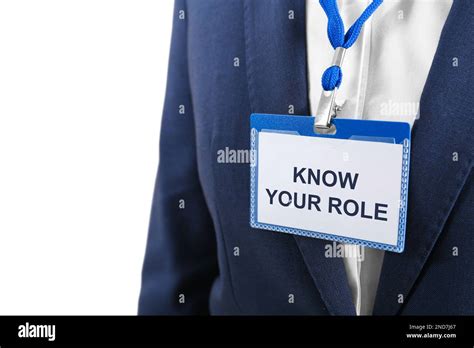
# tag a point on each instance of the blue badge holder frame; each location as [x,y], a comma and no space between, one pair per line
[351,129]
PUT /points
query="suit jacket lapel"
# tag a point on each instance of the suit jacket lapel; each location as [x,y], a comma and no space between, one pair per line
[277,79]
[443,130]
[276,56]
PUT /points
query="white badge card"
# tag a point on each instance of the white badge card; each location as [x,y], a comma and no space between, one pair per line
[350,187]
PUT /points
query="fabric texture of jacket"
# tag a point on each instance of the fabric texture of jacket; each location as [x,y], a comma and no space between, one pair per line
[231,58]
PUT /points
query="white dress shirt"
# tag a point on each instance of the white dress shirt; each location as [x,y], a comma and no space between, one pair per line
[384,73]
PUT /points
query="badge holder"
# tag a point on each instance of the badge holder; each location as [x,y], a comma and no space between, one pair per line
[342,180]
[349,187]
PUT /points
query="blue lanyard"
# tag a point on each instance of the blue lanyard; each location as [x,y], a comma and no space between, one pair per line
[340,41]
[332,77]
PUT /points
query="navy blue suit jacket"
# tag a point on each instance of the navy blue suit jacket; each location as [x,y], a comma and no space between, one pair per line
[231,58]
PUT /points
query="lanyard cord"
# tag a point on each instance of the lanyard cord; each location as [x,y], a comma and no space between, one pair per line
[332,77]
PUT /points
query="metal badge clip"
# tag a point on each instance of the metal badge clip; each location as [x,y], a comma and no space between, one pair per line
[327,103]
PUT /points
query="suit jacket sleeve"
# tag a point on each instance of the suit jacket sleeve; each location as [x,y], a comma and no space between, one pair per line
[180,259]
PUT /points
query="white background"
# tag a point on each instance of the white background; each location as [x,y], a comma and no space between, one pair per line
[81,91]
